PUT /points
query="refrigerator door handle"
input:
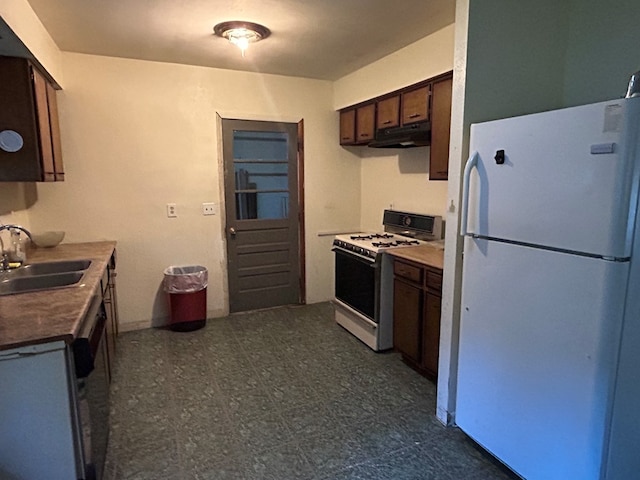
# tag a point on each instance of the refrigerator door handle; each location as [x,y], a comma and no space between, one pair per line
[471,163]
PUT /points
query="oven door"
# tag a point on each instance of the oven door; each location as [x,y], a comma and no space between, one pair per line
[357,283]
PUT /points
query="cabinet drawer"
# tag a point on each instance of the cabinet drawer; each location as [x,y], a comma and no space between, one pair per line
[434,281]
[410,272]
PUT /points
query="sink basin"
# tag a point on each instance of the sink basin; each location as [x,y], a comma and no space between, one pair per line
[48,268]
[33,283]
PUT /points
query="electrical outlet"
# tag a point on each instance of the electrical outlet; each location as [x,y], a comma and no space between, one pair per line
[208,209]
[172,211]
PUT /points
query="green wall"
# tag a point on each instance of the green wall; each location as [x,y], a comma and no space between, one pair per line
[603,50]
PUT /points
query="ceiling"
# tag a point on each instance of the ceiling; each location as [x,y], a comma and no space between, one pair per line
[323,39]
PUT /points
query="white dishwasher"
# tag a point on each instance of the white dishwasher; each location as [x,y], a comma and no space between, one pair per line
[54,406]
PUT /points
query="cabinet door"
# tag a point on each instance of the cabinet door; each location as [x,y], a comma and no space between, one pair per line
[44,126]
[431,333]
[55,133]
[440,129]
[388,114]
[415,105]
[407,319]
[348,127]
[365,123]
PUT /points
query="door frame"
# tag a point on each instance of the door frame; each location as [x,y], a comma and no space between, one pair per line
[301,199]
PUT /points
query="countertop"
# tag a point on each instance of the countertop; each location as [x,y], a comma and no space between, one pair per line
[50,315]
[425,254]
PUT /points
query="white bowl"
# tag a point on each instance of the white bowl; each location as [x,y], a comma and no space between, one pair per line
[47,239]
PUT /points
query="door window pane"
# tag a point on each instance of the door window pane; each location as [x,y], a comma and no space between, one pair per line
[261,169]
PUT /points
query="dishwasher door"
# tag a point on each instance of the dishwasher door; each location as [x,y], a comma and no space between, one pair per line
[38,420]
[90,352]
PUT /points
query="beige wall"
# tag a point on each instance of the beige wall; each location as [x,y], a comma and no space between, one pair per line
[396,178]
[423,59]
[19,15]
[14,202]
[137,135]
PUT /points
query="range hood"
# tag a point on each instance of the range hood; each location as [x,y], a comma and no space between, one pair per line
[416,135]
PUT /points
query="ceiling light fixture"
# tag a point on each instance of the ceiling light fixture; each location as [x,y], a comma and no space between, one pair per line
[241,34]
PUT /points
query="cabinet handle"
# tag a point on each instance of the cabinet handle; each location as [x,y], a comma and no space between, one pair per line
[345,138]
[364,135]
[387,122]
[414,115]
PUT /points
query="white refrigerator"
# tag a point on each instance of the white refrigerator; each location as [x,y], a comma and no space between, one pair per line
[549,353]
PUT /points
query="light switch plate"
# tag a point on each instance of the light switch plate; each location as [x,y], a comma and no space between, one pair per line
[208,209]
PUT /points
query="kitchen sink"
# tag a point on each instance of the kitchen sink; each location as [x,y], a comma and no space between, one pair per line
[34,283]
[48,268]
[42,276]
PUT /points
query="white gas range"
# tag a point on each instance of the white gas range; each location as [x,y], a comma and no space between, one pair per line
[364,276]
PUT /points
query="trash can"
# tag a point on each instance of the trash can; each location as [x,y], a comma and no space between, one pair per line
[186,287]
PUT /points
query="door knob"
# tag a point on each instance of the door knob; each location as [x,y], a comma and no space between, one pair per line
[232,231]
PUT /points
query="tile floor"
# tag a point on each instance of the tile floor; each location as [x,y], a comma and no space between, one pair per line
[278,394]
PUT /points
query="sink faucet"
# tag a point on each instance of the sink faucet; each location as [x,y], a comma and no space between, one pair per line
[4,259]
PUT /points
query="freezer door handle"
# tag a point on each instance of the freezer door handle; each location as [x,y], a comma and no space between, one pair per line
[464,213]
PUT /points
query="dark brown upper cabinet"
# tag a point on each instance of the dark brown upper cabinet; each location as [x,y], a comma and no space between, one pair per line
[426,101]
[30,149]
[365,123]
[348,127]
[415,105]
[357,124]
[388,112]
[440,128]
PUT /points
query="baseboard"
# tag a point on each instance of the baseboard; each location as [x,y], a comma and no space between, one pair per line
[160,322]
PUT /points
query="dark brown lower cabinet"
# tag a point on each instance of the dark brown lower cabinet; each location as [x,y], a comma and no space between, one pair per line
[109,298]
[407,308]
[417,298]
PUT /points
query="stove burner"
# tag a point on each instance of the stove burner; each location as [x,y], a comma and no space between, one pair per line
[361,237]
[383,244]
[372,236]
[407,242]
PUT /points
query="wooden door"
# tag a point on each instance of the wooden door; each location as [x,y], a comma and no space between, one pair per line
[262,213]
[407,319]
[415,105]
[440,129]
[431,333]
[388,114]
[365,123]
[348,127]
[44,126]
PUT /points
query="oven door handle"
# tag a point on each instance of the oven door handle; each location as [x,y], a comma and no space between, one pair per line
[371,263]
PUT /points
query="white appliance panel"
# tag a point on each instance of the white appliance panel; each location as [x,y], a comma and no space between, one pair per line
[36,417]
[552,190]
[624,461]
[538,345]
